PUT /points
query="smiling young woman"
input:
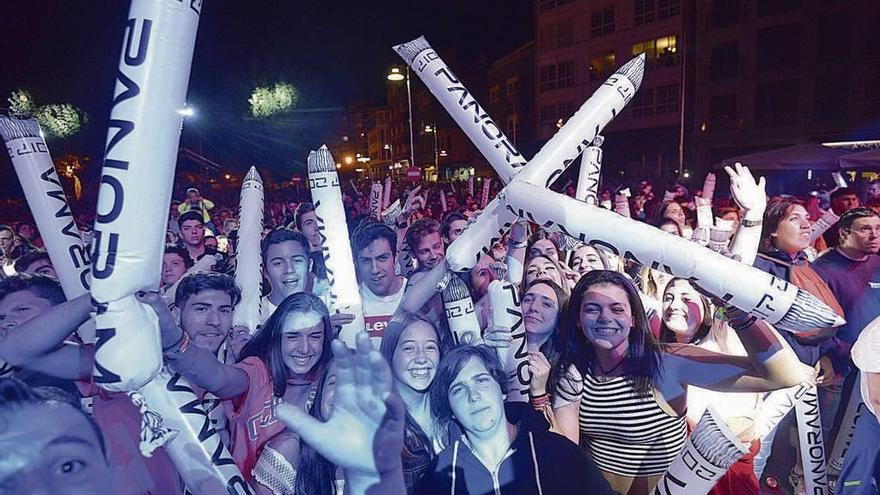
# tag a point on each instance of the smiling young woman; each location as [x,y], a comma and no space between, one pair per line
[632,416]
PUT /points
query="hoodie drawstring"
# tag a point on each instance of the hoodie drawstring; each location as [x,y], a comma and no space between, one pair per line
[454,462]
[535,462]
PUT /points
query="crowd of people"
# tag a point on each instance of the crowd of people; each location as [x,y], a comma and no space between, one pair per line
[623,359]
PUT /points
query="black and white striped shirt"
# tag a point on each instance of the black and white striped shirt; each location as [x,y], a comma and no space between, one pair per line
[627,432]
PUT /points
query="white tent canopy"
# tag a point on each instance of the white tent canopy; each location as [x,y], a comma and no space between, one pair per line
[862,159]
[797,157]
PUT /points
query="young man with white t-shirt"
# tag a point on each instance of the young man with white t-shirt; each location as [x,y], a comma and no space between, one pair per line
[286,263]
[375,257]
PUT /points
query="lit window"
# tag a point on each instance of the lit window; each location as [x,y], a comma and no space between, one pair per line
[602,66]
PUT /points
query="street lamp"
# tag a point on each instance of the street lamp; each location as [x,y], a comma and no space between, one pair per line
[433,130]
[396,76]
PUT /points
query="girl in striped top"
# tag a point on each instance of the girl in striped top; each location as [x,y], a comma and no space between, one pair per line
[634,395]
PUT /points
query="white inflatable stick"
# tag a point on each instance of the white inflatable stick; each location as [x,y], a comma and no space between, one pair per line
[749,289]
[138,171]
[248,260]
[506,312]
[345,294]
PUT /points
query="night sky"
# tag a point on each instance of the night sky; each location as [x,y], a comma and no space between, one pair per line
[333,52]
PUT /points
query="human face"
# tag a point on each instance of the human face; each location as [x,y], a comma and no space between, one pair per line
[675,212]
[26,230]
[606,317]
[375,267]
[51,448]
[874,190]
[482,275]
[476,399]
[586,259]
[863,237]
[430,251]
[211,242]
[193,197]
[415,358]
[542,268]
[545,247]
[793,233]
[193,233]
[206,317]
[309,222]
[20,307]
[682,310]
[287,266]
[7,242]
[173,268]
[456,227]
[845,203]
[302,342]
[540,308]
[42,267]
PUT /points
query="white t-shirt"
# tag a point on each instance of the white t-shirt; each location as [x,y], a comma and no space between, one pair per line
[866,356]
[266,309]
[378,310]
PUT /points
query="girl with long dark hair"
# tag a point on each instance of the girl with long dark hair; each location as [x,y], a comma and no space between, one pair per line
[282,363]
[634,394]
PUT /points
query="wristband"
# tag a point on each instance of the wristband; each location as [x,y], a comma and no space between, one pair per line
[177,353]
[517,245]
[176,343]
[751,223]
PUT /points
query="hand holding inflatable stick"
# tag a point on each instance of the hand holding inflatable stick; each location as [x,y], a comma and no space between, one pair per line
[749,289]
[248,262]
[345,295]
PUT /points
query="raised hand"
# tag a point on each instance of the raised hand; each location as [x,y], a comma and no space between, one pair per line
[748,193]
[364,434]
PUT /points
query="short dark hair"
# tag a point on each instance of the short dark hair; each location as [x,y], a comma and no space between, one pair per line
[846,220]
[3,227]
[190,215]
[447,222]
[266,344]
[42,286]
[368,232]
[196,282]
[301,209]
[29,258]
[843,191]
[420,228]
[450,366]
[15,394]
[776,210]
[282,234]
[180,251]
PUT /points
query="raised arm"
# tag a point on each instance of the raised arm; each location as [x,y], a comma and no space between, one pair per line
[421,287]
[751,196]
[198,365]
[39,344]
[769,364]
